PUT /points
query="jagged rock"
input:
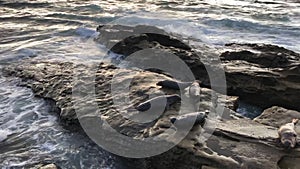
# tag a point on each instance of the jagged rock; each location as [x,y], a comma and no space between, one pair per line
[55,80]
[234,142]
[277,116]
[255,72]
[126,40]
[261,74]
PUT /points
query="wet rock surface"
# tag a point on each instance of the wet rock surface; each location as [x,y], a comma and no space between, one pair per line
[234,142]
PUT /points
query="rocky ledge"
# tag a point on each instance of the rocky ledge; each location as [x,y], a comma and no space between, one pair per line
[235,141]
[255,72]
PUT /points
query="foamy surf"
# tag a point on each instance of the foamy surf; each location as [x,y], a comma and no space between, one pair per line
[3,135]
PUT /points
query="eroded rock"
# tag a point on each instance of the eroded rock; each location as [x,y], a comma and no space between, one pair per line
[277,116]
[259,72]
[234,142]
[255,72]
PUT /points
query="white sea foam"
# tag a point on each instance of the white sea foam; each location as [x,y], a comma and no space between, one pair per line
[86,32]
[3,135]
[33,134]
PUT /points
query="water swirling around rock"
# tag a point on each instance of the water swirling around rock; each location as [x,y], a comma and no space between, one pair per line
[31,133]
[57,30]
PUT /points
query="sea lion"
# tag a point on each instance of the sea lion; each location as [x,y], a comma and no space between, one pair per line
[159,101]
[187,119]
[172,84]
[288,135]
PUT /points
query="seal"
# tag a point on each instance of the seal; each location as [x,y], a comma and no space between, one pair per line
[194,92]
[158,102]
[288,135]
[194,89]
[186,119]
[172,84]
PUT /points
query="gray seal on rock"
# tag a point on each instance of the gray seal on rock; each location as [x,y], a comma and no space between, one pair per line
[193,92]
[172,84]
[194,89]
[158,102]
[186,119]
[288,135]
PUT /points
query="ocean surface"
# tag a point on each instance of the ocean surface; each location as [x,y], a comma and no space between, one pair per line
[30,131]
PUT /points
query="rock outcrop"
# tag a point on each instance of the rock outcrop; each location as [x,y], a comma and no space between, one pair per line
[261,74]
[277,116]
[255,72]
[235,142]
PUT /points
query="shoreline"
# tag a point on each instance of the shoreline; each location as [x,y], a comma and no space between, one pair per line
[52,80]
